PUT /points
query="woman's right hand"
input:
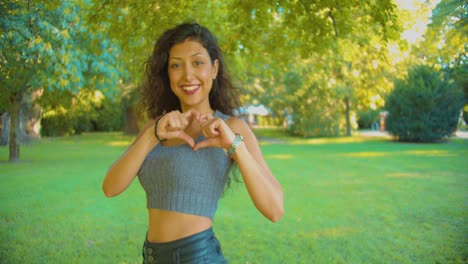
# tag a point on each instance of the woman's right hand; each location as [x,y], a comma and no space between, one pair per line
[173,124]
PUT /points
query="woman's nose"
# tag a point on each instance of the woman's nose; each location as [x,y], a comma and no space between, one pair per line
[188,72]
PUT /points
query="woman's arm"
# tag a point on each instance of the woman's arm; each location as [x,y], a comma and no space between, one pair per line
[263,188]
[121,174]
[123,171]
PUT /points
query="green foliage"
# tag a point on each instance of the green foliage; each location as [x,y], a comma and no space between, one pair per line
[263,40]
[47,47]
[57,122]
[86,111]
[459,74]
[366,118]
[109,115]
[424,107]
[318,113]
[251,28]
[446,37]
[51,48]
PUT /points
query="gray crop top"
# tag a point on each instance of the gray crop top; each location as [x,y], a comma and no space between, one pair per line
[180,179]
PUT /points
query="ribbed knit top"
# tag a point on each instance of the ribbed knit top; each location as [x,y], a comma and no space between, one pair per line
[177,178]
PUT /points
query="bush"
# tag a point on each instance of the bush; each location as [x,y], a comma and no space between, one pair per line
[366,118]
[318,113]
[424,107]
[109,116]
[85,111]
[57,122]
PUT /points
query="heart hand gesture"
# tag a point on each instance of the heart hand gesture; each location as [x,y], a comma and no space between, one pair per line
[173,125]
[217,132]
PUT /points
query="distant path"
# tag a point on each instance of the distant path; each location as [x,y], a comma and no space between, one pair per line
[376,133]
[365,133]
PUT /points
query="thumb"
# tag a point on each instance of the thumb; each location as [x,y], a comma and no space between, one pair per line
[210,142]
[182,135]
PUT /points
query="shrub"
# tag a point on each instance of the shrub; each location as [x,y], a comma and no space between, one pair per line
[366,118]
[424,107]
[318,113]
[56,122]
[109,115]
[85,111]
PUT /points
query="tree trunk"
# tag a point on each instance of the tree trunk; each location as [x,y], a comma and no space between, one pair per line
[5,133]
[14,154]
[130,121]
[348,117]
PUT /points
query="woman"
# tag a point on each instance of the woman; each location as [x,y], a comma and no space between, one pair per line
[182,156]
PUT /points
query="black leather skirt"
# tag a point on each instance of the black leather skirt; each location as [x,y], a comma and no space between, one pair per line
[200,248]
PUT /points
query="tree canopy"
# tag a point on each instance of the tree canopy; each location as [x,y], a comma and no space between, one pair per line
[260,30]
[318,61]
[263,40]
[48,47]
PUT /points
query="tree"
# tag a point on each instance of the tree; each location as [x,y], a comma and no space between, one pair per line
[353,62]
[45,46]
[445,42]
[262,39]
[425,107]
[265,37]
[447,35]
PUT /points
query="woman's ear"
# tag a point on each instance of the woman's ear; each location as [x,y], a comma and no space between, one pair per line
[215,68]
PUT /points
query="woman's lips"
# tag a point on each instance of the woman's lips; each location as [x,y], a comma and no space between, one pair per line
[190,89]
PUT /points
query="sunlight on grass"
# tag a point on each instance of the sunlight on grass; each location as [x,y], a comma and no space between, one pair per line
[319,141]
[405,175]
[280,156]
[118,143]
[366,154]
[333,232]
[429,153]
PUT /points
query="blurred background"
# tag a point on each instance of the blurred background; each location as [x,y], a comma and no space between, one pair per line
[317,78]
[316,68]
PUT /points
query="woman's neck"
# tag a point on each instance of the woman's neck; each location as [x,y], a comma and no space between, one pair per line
[203,110]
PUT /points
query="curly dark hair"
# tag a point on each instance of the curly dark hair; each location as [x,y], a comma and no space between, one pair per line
[157,96]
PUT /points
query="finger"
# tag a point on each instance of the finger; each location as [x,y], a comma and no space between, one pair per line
[183,121]
[213,127]
[182,135]
[162,125]
[205,117]
[209,116]
[174,122]
[210,142]
[190,114]
[208,130]
[171,122]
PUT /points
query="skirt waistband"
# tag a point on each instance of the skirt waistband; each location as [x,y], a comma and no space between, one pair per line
[188,247]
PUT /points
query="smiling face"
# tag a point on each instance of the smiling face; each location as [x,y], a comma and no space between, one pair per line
[191,75]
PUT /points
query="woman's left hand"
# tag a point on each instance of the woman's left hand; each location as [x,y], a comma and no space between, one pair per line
[263,188]
[217,132]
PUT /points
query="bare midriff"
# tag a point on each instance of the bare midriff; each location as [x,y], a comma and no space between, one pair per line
[166,226]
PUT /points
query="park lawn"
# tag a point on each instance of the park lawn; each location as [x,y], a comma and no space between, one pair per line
[347,200]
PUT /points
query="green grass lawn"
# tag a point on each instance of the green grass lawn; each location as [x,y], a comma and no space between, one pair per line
[347,200]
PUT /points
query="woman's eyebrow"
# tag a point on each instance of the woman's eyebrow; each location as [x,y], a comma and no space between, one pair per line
[193,55]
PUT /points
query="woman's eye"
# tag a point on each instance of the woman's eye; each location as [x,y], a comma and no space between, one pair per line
[198,62]
[175,65]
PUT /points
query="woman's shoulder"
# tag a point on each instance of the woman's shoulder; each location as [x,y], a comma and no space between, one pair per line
[237,124]
[221,115]
[234,122]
